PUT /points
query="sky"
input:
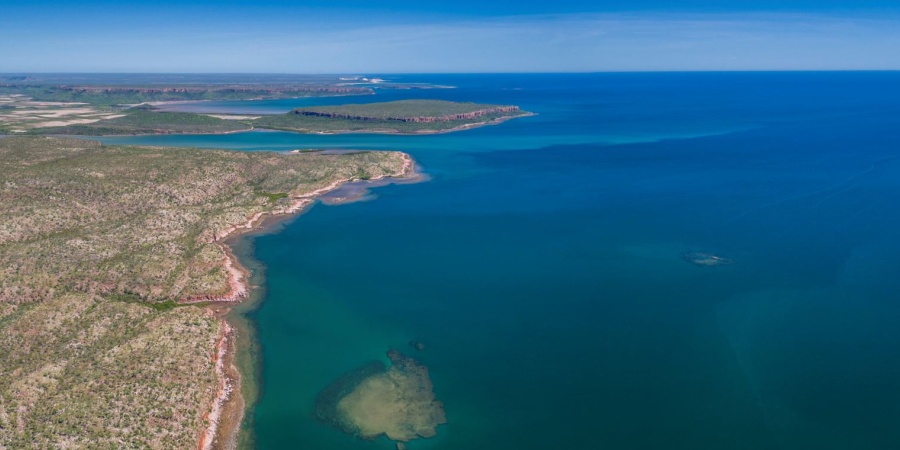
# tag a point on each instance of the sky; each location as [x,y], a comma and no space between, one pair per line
[403,36]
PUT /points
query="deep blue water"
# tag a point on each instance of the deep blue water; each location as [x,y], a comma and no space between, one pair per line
[542,267]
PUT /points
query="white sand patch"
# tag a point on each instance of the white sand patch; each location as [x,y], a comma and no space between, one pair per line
[31,114]
[57,112]
[58,104]
[232,117]
[62,123]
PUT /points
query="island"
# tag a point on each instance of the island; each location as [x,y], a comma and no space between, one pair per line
[113,277]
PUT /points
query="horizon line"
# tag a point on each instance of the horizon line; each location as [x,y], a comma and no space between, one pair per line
[361,73]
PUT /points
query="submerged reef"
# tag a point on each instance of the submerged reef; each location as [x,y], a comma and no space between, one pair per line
[705,259]
[327,400]
[372,401]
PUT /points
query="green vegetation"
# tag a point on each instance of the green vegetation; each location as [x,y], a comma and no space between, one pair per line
[362,174]
[130,95]
[161,306]
[97,244]
[272,198]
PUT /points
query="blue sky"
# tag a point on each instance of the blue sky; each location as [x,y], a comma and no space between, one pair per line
[354,36]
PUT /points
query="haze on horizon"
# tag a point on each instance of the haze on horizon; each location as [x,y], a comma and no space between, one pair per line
[354,36]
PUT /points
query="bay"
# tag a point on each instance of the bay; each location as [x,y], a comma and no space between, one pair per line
[541,266]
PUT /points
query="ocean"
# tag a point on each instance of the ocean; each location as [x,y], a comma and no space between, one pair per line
[542,266]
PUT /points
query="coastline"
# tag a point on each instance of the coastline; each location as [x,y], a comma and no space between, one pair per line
[225,387]
[226,413]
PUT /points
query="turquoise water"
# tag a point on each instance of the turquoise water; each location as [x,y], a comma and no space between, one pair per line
[542,267]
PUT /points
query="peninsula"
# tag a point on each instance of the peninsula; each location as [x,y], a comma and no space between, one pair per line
[111,259]
[100,111]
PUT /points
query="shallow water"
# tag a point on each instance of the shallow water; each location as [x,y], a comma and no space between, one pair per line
[542,267]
